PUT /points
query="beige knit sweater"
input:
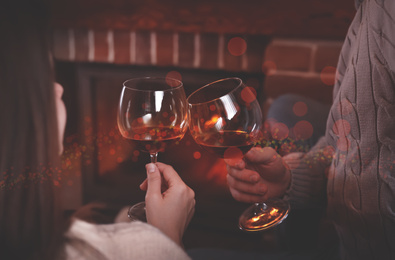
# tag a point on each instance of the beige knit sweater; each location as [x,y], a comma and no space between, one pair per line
[359,180]
[133,240]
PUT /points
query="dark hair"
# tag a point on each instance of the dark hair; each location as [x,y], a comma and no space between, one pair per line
[30,213]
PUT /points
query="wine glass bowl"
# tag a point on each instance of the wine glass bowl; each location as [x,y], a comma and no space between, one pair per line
[225,118]
[152,115]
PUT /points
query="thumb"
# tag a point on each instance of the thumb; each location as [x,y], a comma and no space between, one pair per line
[154,180]
[265,155]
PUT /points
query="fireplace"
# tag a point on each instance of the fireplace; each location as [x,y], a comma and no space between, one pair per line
[277,47]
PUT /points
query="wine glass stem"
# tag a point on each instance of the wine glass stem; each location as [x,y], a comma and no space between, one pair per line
[154,157]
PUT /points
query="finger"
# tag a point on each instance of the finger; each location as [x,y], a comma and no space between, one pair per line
[245,175]
[245,197]
[169,174]
[144,185]
[238,164]
[293,160]
[154,180]
[260,155]
[258,189]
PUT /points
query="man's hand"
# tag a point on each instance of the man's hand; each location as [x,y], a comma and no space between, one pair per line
[260,176]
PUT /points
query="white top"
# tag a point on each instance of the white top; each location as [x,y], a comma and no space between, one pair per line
[134,240]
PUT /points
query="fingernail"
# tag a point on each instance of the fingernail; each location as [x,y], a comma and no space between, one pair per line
[150,168]
[254,178]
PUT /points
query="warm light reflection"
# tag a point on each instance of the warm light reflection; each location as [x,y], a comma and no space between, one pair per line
[273,211]
[211,123]
[255,219]
[265,219]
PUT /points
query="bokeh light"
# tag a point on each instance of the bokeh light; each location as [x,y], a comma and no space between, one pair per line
[279,131]
[343,143]
[288,147]
[328,75]
[300,108]
[248,94]
[345,107]
[269,67]
[341,128]
[303,130]
[237,46]
[173,75]
[197,155]
[328,151]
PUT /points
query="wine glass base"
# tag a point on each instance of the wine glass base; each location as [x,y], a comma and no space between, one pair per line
[261,216]
[137,212]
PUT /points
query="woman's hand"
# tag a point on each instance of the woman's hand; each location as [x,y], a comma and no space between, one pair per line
[170,203]
[260,176]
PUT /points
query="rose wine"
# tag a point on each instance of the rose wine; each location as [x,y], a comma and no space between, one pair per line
[226,144]
[154,139]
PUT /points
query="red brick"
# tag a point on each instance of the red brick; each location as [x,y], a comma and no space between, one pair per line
[231,62]
[164,45]
[81,44]
[305,85]
[143,48]
[101,46]
[209,51]
[327,55]
[256,46]
[186,49]
[122,47]
[289,57]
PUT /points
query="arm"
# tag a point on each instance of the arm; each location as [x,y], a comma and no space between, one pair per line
[309,171]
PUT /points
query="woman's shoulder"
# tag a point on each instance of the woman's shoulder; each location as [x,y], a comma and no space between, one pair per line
[82,228]
[120,240]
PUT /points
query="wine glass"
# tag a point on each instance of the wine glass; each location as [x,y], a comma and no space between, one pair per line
[225,118]
[152,115]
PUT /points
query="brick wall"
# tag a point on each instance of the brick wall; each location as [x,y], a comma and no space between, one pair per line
[305,67]
[302,66]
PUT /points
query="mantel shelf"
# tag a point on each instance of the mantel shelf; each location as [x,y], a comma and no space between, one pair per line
[279,18]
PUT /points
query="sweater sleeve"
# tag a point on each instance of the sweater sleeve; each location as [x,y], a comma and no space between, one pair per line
[134,240]
[308,183]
